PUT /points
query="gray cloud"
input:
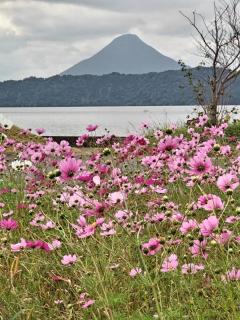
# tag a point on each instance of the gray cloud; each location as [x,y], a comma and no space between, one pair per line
[44,37]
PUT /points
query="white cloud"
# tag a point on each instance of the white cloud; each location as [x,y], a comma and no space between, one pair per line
[44,37]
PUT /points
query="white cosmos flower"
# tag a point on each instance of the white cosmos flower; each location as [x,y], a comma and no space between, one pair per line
[5,123]
[27,163]
[19,165]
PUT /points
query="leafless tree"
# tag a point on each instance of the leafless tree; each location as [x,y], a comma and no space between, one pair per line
[219,45]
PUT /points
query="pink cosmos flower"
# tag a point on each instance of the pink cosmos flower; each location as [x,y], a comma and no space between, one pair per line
[191,268]
[151,247]
[188,226]
[92,127]
[69,259]
[208,226]
[144,125]
[225,150]
[19,246]
[38,244]
[85,301]
[200,164]
[224,237]
[202,120]
[36,157]
[117,196]
[227,181]
[134,272]
[40,131]
[170,263]
[68,168]
[82,139]
[8,224]
[55,244]
[210,202]
[107,229]
[232,219]
[168,143]
[232,275]
[97,180]
[122,215]
[199,248]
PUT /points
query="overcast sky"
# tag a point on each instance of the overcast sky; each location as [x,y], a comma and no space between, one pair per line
[44,37]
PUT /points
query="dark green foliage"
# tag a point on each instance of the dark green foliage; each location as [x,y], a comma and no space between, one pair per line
[165,88]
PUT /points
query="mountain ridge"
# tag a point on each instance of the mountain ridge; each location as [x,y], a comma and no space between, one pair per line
[164,88]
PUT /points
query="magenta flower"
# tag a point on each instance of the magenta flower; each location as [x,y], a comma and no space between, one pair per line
[168,143]
[92,127]
[38,244]
[69,259]
[200,164]
[151,247]
[8,224]
[68,168]
[227,181]
[170,263]
[208,226]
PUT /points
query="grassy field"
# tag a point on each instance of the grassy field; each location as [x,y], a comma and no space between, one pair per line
[148,228]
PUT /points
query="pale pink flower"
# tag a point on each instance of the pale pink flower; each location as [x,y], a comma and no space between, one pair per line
[225,150]
[224,237]
[170,263]
[122,215]
[134,272]
[85,301]
[199,248]
[55,244]
[208,226]
[107,229]
[188,226]
[232,275]
[40,131]
[97,180]
[117,196]
[227,181]
[210,202]
[191,268]
[232,219]
[69,259]
[19,246]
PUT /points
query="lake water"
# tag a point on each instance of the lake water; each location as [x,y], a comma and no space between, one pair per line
[71,121]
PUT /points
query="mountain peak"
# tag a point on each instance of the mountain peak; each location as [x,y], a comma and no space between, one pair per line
[125,54]
[127,36]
